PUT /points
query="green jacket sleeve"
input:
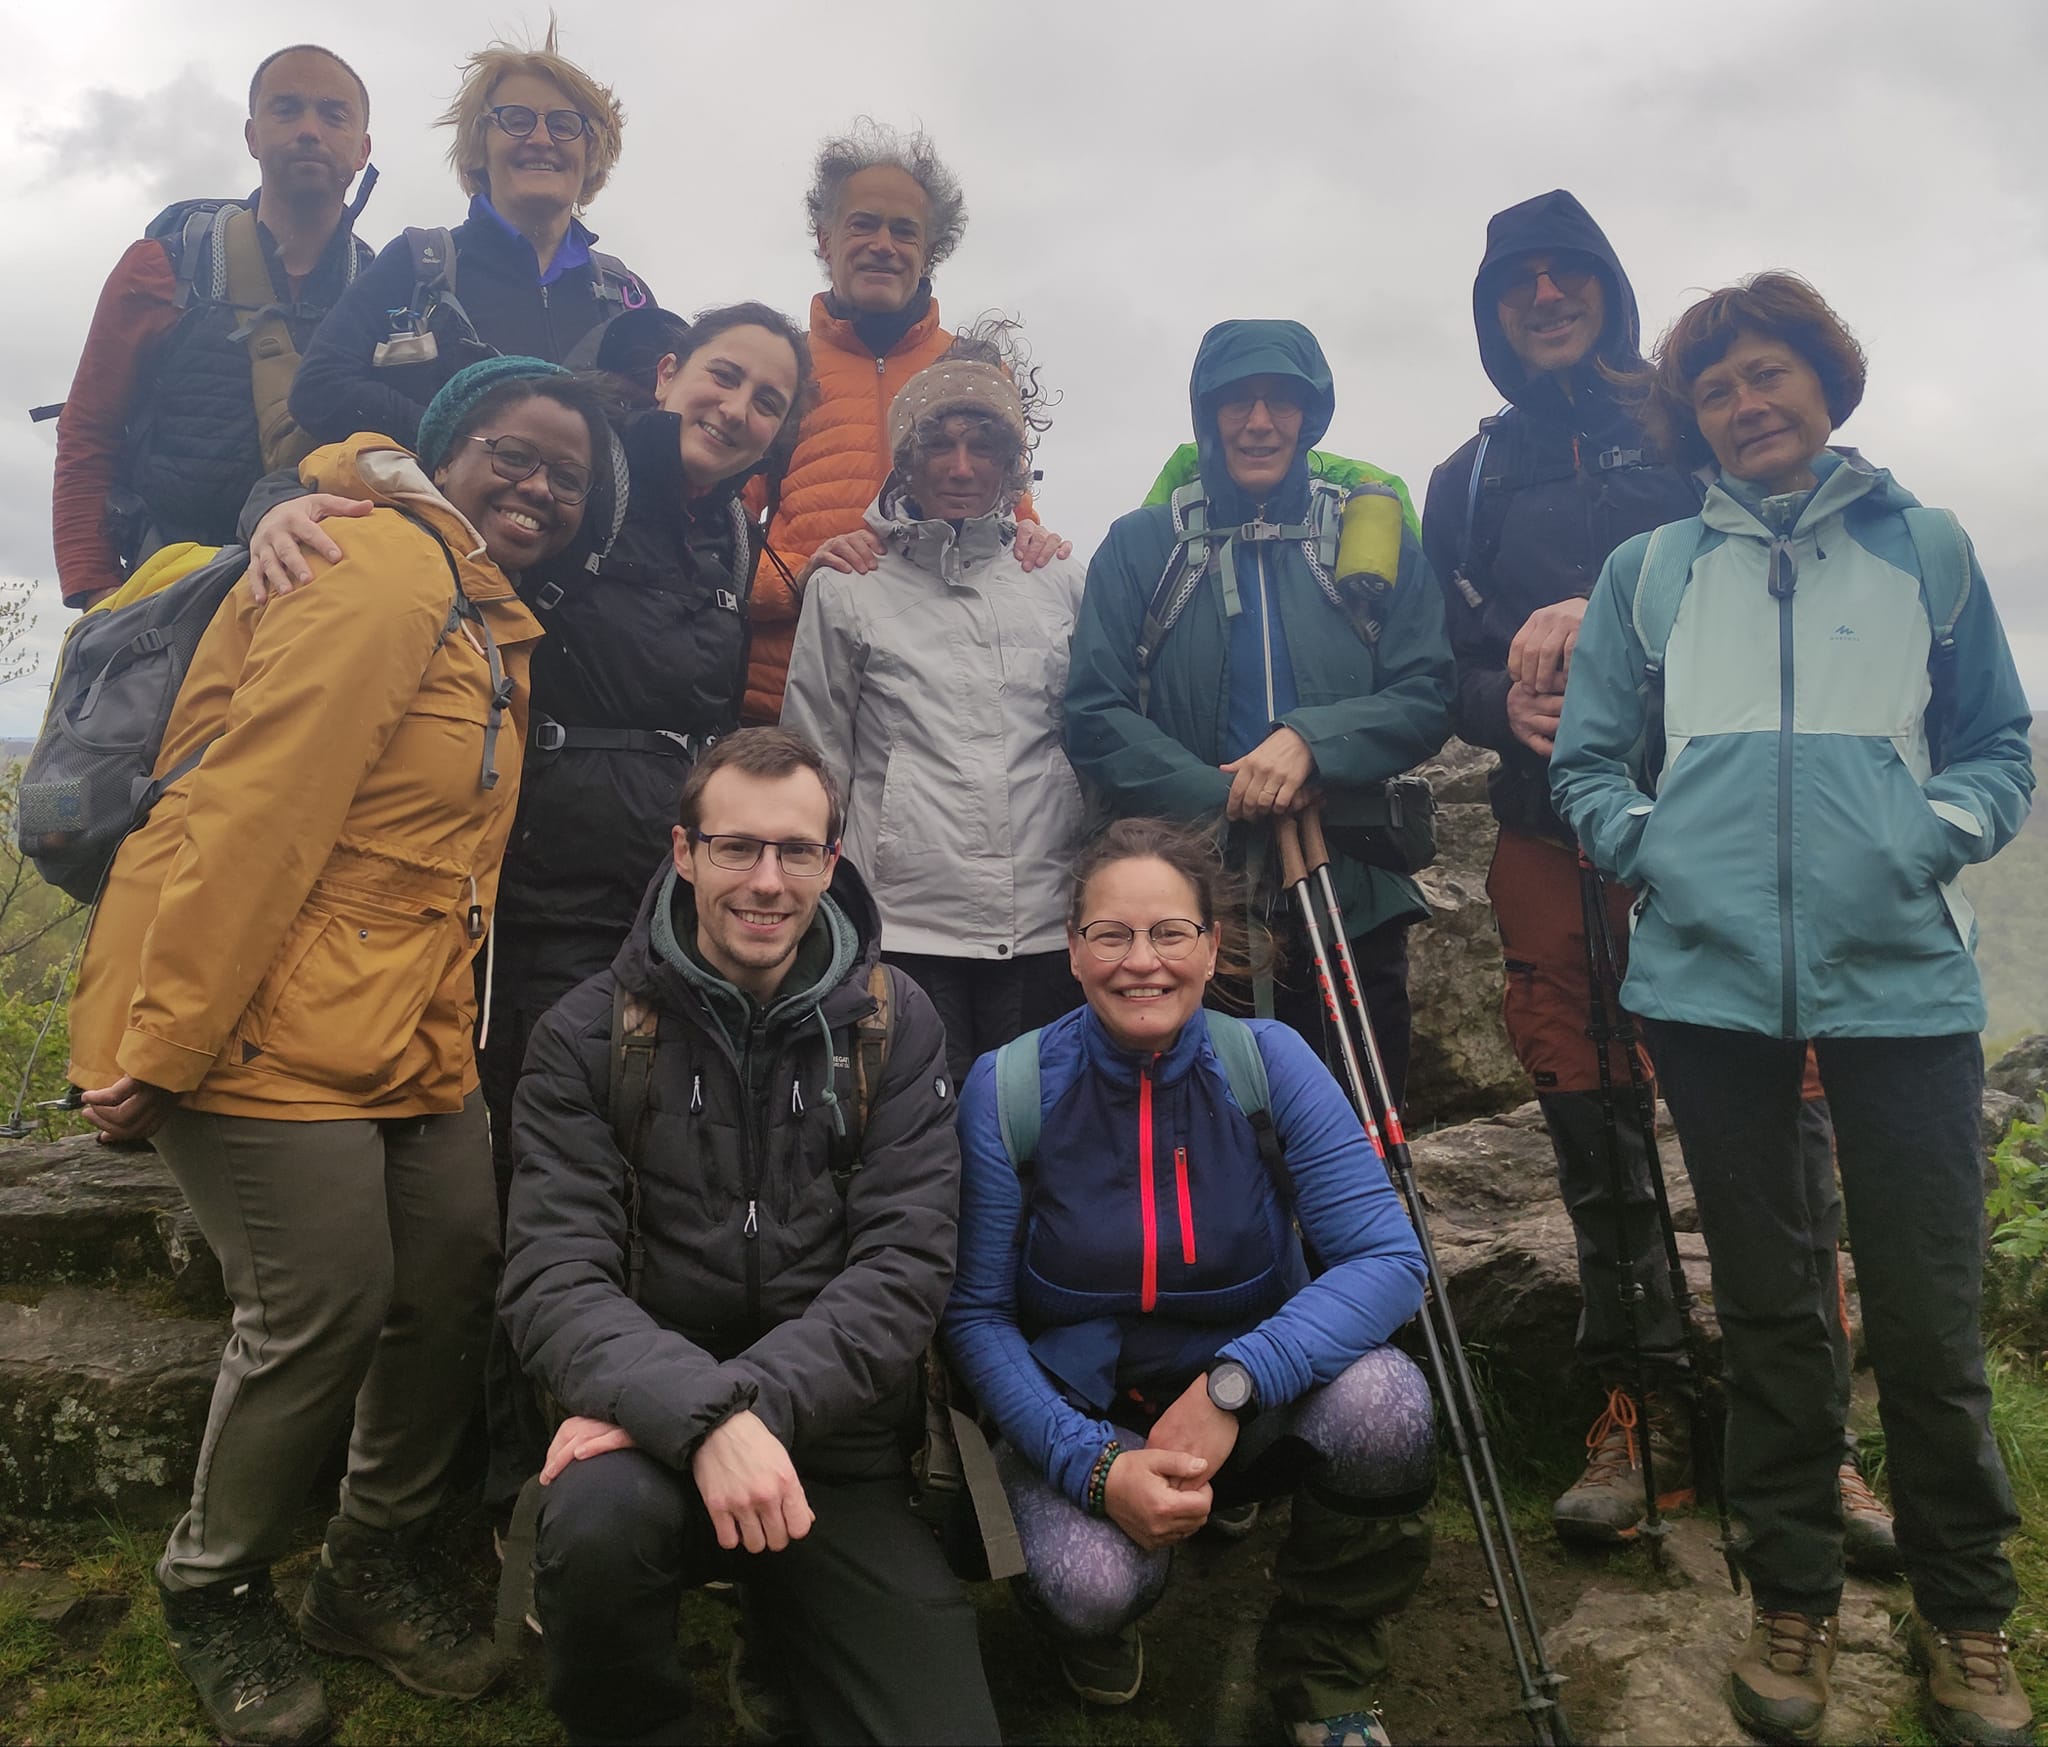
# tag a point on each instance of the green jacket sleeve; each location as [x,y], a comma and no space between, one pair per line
[1136,764]
[1408,717]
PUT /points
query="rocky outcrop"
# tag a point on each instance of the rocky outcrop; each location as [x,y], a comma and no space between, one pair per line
[1462,1063]
[2022,1072]
[102,1401]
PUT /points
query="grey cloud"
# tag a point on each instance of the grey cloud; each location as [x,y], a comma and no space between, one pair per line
[179,140]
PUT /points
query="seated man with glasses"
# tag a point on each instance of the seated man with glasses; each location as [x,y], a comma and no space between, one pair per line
[732,1230]
[536,138]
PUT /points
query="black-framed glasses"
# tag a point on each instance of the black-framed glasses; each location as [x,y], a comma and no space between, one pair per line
[736,854]
[519,121]
[1570,274]
[1111,942]
[514,459]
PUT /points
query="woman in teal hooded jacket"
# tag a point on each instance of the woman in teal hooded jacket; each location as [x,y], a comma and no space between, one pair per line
[1793,821]
[1265,661]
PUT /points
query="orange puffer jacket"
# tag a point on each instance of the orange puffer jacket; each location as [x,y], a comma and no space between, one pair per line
[841,460]
[290,934]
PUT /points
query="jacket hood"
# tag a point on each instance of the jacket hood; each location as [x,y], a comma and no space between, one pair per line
[1550,221]
[853,929]
[1231,351]
[934,546]
[367,466]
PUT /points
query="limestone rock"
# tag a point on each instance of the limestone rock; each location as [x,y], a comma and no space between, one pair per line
[1668,1654]
[2022,1072]
[1462,1063]
[102,1404]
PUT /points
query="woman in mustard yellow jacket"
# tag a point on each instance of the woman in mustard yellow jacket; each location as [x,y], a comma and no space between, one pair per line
[279,993]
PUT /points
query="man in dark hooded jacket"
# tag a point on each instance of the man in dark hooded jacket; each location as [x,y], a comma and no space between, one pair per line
[732,1320]
[1517,525]
[1264,694]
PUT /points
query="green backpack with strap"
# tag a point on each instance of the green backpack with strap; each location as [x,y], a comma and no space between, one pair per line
[1020,1101]
[1940,546]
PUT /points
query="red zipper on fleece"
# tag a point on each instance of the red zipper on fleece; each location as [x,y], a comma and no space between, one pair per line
[1187,1206]
[1148,1211]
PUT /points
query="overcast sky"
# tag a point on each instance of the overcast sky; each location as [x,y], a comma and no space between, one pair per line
[1135,172]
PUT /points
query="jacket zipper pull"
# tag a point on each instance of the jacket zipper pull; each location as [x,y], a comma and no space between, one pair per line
[476,911]
[753,1226]
[696,1093]
[796,1098]
[881,366]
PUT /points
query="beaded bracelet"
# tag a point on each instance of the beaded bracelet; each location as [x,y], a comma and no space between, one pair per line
[1098,1478]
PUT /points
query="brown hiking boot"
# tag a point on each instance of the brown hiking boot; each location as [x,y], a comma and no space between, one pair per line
[387,1599]
[1972,1696]
[1869,1547]
[1605,1504]
[1778,1685]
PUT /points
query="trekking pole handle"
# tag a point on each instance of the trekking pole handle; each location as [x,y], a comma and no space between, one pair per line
[1316,850]
[1287,838]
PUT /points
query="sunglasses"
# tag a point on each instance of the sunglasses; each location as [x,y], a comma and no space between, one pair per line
[1570,275]
[519,121]
[514,459]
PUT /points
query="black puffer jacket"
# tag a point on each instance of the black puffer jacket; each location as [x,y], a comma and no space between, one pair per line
[647,644]
[766,1285]
[339,391]
[1564,481]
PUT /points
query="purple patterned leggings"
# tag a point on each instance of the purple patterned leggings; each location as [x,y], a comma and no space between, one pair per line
[1366,1438]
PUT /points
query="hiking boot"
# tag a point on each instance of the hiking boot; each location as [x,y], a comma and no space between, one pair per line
[1232,1522]
[1104,1671]
[242,1658]
[1352,1729]
[758,1695]
[381,1597]
[1778,1686]
[1604,1506]
[1869,1547]
[1972,1696]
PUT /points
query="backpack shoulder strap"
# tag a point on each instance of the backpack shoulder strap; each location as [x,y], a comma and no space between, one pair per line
[865,1063]
[1660,588]
[1237,1048]
[433,261]
[616,287]
[1943,550]
[463,610]
[636,1031]
[1185,564]
[1018,1094]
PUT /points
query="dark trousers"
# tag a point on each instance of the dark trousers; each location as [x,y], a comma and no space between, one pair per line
[1382,957]
[874,1633]
[1906,1115]
[985,1002]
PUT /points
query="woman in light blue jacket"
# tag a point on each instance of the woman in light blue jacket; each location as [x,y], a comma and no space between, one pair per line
[1794,722]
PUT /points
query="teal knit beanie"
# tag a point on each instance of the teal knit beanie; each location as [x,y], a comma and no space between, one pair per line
[449,410]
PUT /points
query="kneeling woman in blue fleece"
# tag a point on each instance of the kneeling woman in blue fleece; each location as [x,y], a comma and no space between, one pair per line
[1135,1309]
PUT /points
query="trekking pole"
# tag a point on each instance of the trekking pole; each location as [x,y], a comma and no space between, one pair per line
[1449,1373]
[1627,1287]
[1604,966]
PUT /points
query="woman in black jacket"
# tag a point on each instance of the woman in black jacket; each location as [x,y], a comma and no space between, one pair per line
[536,137]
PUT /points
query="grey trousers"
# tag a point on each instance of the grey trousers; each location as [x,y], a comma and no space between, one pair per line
[362,1259]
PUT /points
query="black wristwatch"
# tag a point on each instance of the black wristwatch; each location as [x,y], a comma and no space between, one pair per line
[1231,1388]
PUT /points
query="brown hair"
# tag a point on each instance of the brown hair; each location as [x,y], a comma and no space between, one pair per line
[469,114]
[768,753]
[1192,852]
[1776,306]
[306,48]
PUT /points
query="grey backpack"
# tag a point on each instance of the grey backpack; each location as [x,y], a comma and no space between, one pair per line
[87,782]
